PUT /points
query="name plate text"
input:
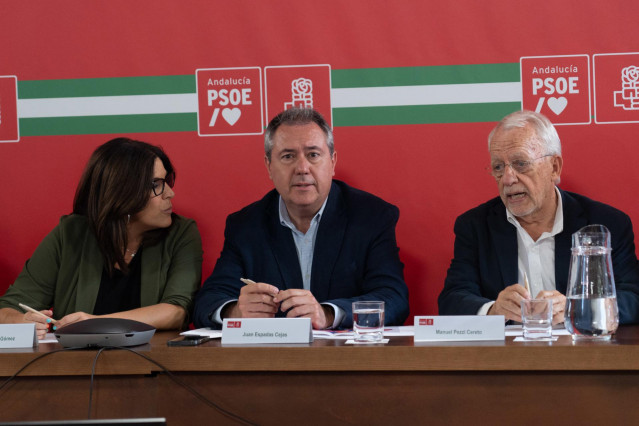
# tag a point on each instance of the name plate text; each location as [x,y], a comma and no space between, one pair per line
[459,328]
[18,336]
[244,331]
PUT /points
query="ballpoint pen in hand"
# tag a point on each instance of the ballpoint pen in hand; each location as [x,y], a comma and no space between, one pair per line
[30,309]
[526,285]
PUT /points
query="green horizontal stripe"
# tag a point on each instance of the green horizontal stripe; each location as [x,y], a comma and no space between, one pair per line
[161,85]
[419,76]
[141,123]
[423,114]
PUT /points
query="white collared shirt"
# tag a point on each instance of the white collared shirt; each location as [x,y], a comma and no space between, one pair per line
[535,258]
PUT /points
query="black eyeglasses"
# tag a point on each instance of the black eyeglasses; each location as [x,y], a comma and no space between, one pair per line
[158,183]
[519,166]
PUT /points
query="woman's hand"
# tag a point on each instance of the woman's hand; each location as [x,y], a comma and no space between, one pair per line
[41,323]
[74,317]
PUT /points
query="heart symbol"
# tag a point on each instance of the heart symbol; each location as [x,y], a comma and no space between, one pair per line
[557,105]
[231,115]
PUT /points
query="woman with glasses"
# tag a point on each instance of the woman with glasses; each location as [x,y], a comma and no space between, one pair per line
[123,253]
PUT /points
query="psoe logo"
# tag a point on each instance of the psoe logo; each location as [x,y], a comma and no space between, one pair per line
[628,97]
[298,86]
[301,94]
[229,101]
[426,321]
[234,324]
[616,87]
[557,86]
[9,109]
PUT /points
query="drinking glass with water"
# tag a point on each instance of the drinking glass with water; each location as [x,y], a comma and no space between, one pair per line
[536,318]
[368,321]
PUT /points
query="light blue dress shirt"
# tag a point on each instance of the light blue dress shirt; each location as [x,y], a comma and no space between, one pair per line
[305,245]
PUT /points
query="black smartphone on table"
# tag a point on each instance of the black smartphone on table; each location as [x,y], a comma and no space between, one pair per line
[188,340]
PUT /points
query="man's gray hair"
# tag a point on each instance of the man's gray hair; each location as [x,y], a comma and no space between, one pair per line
[296,117]
[545,131]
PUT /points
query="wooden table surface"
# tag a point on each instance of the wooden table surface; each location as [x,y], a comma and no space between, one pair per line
[400,354]
[331,382]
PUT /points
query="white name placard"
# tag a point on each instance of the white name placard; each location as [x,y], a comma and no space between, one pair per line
[18,336]
[244,331]
[459,327]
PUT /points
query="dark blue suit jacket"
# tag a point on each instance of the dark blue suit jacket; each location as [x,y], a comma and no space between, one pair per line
[355,257]
[485,260]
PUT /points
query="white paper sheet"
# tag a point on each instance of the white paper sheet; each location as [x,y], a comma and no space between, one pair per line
[213,334]
[517,330]
[407,330]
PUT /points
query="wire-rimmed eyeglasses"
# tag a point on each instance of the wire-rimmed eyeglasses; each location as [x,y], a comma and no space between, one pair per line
[498,168]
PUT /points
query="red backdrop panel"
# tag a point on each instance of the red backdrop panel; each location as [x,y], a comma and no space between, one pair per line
[433,172]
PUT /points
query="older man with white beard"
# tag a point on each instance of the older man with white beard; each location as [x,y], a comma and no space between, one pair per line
[526,231]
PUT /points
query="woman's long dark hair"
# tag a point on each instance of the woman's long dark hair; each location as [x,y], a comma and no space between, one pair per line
[116,183]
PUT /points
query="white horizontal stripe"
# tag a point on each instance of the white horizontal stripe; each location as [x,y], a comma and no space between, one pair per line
[107,105]
[426,95]
[340,98]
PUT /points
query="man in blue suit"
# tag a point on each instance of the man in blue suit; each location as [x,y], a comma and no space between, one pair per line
[312,246]
[527,230]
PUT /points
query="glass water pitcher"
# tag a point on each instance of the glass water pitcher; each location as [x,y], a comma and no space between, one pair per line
[591,299]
